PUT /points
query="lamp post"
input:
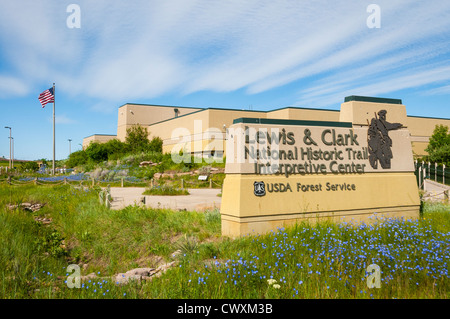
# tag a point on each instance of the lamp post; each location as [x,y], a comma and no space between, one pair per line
[9,146]
[69,146]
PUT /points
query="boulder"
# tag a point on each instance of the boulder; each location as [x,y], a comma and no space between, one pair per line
[148,163]
[27,206]
[122,279]
[140,272]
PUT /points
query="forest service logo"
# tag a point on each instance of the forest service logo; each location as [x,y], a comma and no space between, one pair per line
[259,188]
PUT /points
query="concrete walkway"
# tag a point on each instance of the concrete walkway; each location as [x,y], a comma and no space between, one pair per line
[198,200]
[435,191]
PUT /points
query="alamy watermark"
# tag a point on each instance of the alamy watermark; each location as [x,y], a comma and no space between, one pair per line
[242,145]
[374,19]
[73,280]
[73,21]
[374,279]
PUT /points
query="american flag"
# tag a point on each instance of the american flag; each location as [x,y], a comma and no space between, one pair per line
[47,97]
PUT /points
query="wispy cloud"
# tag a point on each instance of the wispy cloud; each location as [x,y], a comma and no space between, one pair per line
[382,86]
[148,49]
[62,119]
[439,90]
[10,86]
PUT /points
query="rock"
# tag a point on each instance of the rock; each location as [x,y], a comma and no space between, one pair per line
[43,220]
[157,175]
[164,267]
[89,276]
[137,274]
[27,206]
[183,173]
[36,207]
[140,272]
[122,279]
[148,163]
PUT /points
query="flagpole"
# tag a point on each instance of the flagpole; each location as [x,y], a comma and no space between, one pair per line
[54,99]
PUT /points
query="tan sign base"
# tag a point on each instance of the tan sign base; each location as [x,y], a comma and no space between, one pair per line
[336,198]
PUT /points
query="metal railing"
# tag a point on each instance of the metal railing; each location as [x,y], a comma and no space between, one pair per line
[431,171]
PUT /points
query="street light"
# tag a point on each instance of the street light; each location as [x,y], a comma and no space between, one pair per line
[9,146]
[69,146]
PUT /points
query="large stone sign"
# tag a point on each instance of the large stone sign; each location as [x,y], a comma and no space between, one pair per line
[283,171]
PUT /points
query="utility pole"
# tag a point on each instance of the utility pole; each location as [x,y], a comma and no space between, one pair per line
[12,158]
[9,147]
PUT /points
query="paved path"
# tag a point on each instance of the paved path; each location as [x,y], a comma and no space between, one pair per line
[435,191]
[199,199]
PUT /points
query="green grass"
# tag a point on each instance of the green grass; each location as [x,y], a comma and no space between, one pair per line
[165,190]
[191,181]
[107,241]
[323,260]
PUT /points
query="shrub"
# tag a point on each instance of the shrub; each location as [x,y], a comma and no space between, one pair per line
[77,158]
[155,145]
[116,149]
[97,152]
[33,166]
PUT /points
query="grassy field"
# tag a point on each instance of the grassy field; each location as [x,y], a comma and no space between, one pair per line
[324,260]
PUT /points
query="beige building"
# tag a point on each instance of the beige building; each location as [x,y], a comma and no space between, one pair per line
[202,131]
[99,138]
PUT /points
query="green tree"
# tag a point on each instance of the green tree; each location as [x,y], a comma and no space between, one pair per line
[440,137]
[116,149]
[441,155]
[156,145]
[77,158]
[439,145]
[137,139]
[97,152]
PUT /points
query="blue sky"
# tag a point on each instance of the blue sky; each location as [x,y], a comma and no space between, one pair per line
[235,54]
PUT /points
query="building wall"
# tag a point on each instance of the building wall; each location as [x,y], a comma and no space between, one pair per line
[292,113]
[161,121]
[132,114]
[220,117]
[186,126]
[200,128]
[421,129]
[99,138]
